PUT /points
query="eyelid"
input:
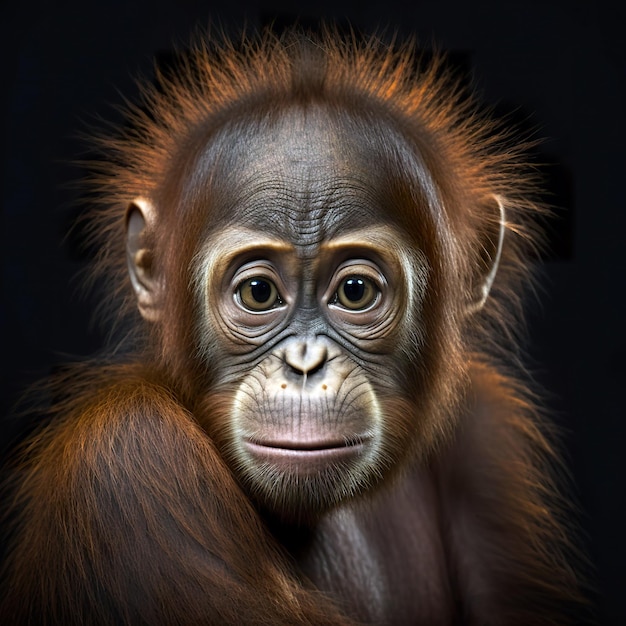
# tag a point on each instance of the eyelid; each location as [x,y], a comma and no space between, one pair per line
[359,268]
[356,267]
[257,265]
[257,269]
[265,270]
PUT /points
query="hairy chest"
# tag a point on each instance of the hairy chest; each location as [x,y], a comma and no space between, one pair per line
[386,562]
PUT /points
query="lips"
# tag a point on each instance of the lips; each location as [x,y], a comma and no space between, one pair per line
[306,456]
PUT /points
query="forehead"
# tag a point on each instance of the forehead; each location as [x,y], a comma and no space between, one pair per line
[303,175]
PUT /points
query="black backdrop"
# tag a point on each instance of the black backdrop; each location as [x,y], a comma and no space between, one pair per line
[556,66]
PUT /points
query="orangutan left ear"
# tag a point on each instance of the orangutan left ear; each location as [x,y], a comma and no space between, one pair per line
[489,256]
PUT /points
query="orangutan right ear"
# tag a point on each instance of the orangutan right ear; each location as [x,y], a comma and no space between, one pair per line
[148,286]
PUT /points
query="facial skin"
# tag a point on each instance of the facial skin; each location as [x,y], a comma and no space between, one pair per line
[306,294]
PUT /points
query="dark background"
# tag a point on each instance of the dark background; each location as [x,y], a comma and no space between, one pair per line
[556,67]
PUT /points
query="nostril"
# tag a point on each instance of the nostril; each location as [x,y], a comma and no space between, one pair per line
[305,359]
[295,370]
[308,372]
[317,368]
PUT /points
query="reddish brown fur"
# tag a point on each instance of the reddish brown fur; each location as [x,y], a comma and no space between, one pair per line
[134,516]
[126,506]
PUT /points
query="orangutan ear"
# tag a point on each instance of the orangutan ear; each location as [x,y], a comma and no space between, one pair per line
[490,252]
[140,229]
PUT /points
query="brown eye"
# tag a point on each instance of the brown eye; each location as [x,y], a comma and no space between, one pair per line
[258,294]
[356,293]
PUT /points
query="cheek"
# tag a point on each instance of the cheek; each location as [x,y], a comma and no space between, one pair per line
[237,334]
[378,338]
